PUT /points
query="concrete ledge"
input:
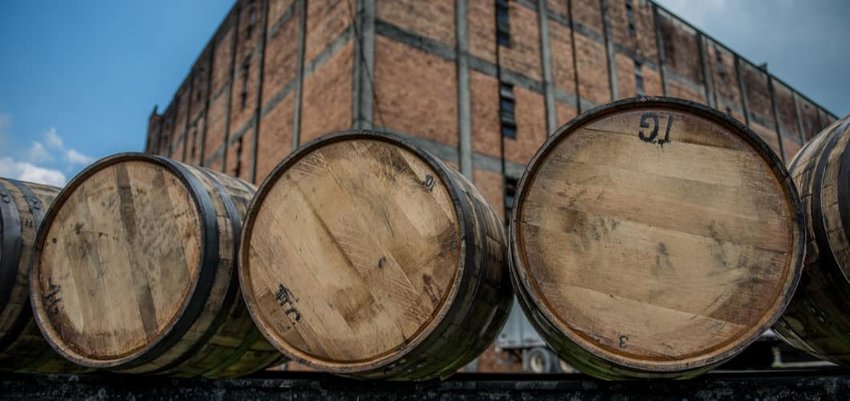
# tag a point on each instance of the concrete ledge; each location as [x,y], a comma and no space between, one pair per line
[772,385]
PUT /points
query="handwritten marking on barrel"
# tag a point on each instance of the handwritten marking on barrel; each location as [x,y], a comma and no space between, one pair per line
[429,182]
[284,298]
[52,297]
[645,120]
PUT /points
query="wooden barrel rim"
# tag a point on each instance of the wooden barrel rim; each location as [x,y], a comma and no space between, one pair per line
[458,280]
[232,289]
[733,345]
[11,233]
[10,223]
[199,288]
[831,266]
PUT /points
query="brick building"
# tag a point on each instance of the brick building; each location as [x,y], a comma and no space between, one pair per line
[479,83]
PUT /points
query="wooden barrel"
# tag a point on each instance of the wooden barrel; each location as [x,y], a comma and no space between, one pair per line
[654,237]
[817,320]
[22,349]
[135,271]
[365,256]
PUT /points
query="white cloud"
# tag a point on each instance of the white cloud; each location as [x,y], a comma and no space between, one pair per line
[29,172]
[37,153]
[74,157]
[53,139]
[52,147]
[30,166]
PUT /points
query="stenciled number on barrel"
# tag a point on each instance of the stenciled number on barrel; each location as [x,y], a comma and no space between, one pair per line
[429,182]
[650,120]
[284,298]
[52,298]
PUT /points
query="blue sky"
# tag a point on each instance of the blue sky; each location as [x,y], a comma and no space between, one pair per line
[78,79]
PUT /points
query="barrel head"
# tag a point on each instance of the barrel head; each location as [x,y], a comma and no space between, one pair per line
[657,236]
[117,260]
[350,252]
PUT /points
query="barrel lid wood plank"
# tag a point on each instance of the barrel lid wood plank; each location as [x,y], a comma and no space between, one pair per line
[654,237]
[360,250]
[135,269]
[817,321]
[22,349]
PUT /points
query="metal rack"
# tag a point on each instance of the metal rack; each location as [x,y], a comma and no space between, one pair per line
[819,384]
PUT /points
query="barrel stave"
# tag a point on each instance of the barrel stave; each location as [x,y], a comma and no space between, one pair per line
[211,334]
[335,186]
[816,320]
[627,223]
[23,349]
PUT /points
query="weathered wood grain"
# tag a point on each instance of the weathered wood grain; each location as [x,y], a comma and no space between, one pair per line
[817,320]
[22,349]
[135,271]
[654,238]
[363,255]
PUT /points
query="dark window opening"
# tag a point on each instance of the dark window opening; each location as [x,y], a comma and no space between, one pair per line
[194,143]
[728,110]
[246,67]
[721,66]
[503,23]
[506,107]
[507,110]
[252,21]
[630,16]
[238,169]
[510,193]
[639,89]
[509,130]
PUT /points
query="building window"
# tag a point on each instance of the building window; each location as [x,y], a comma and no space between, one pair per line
[503,23]
[630,16]
[194,141]
[244,72]
[510,193]
[639,78]
[721,66]
[252,22]
[237,171]
[507,116]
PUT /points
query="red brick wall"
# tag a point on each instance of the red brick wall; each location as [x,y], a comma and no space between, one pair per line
[424,102]
[415,92]
[275,141]
[484,106]
[592,70]
[681,50]
[492,188]
[433,19]
[523,55]
[563,71]
[589,14]
[326,19]
[481,23]
[326,104]
[724,77]
[791,138]
[531,126]
[281,61]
